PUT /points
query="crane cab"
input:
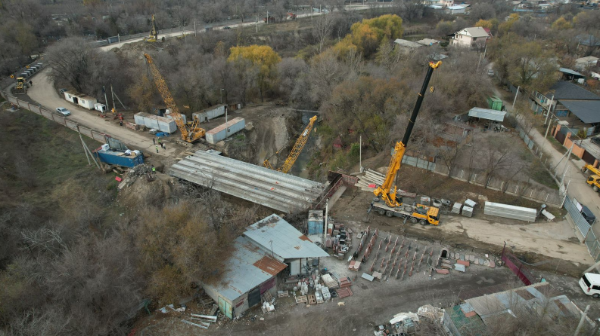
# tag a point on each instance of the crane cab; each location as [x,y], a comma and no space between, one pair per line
[433,216]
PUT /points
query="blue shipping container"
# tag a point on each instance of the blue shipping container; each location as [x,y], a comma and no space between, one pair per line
[315,228]
[116,158]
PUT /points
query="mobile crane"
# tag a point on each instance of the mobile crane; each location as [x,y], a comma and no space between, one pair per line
[296,150]
[594,179]
[386,202]
[189,134]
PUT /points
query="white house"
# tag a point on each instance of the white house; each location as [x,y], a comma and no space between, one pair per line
[471,36]
[586,62]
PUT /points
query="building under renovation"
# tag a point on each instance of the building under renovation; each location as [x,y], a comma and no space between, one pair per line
[260,255]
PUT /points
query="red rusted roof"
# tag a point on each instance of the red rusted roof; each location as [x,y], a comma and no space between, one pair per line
[270,265]
[303,237]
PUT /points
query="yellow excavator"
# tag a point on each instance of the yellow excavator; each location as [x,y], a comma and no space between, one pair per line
[386,202]
[153,32]
[594,179]
[296,150]
[189,134]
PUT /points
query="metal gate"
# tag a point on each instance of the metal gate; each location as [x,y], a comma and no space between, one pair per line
[588,157]
[593,245]
[254,297]
[517,266]
[582,225]
[560,136]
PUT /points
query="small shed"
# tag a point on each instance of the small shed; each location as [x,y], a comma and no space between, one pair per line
[487,114]
[250,274]
[87,102]
[286,244]
[210,113]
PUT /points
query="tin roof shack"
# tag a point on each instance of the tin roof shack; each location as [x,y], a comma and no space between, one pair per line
[493,118]
[223,131]
[279,238]
[250,273]
[209,113]
[482,315]
[87,102]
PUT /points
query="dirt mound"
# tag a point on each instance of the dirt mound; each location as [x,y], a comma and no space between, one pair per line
[140,190]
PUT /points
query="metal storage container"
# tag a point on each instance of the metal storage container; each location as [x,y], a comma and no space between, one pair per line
[221,132]
[315,222]
[165,124]
[495,103]
[119,158]
[139,118]
[182,117]
[151,122]
[510,211]
[209,113]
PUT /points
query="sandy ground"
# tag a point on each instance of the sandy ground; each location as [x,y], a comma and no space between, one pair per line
[44,93]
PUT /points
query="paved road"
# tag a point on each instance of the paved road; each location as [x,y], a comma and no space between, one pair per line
[573,176]
[43,93]
[234,25]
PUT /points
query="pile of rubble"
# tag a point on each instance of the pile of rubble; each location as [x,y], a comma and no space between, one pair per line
[460,261]
[319,288]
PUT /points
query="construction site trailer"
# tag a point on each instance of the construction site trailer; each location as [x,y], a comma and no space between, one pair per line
[100,107]
[209,113]
[166,125]
[87,102]
[221,132]
[71,96]
[120,158]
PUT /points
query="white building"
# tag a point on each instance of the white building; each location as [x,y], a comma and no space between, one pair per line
[586,62]
[469,37]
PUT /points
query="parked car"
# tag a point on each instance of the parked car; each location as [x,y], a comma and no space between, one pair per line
[588,215]
[63,111]
[226,27]
[490,72]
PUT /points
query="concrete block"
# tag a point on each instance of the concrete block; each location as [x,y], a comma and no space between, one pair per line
[463,262]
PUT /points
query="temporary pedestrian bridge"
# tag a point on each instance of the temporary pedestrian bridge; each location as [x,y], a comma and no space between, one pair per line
[256,184]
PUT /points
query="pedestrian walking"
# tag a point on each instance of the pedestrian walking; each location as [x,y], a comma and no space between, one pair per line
[154,141]
[159,141]
[30,83]
[156,149]
[153,169]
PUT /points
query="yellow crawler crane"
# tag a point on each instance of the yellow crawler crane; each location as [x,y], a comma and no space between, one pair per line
[296,150]
[386,202]
[189,134]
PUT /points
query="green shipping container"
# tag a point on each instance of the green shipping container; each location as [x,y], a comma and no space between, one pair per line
[495,103]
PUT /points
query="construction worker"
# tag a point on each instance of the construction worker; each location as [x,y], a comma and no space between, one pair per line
[153,169]
[160,141]
[156,149]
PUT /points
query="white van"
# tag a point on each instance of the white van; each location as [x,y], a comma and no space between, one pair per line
[590,283]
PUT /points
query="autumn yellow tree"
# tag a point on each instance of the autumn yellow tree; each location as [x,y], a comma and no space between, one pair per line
[505,27]
[263,58]
[484,24]
[561,24]
[366,36]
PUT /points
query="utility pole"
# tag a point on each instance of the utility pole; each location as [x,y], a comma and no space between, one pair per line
[325,221]
[360,169]
[516,95]
[105,99]
[580,325]
[549,109]
[267,16]
[195,30]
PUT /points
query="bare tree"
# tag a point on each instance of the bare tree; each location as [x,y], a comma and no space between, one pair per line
[322,29]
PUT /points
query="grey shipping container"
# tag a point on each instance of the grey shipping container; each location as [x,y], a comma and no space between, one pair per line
[165,124]
[221,132]
[510,211]
[456,208]
[209,113]
[151,122]
[467,211]
[139,118]
[182,117]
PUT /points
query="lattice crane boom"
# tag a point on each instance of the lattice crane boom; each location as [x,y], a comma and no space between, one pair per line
[296,150]
[190,134]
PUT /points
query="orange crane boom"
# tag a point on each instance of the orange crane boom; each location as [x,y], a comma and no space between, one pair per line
[188,134]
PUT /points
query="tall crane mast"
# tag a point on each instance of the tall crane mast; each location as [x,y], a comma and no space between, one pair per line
[153,31]
[296,150]
[188,133]
[385,191]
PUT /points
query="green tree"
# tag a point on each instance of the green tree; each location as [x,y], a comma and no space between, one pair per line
[530,65]
[367,35]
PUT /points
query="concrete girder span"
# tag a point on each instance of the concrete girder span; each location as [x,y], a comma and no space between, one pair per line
[253,183]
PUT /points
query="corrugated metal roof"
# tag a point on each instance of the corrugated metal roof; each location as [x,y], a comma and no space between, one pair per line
[488,114]
[570,91]
[285,241]
[570,72]
[586,110]
[407,43]
[247,268]
[223,126]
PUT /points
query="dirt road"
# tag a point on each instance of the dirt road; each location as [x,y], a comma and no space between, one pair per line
[43,93]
